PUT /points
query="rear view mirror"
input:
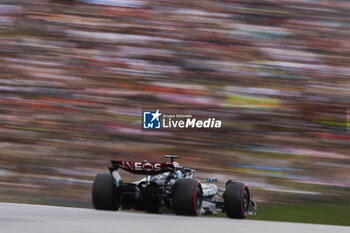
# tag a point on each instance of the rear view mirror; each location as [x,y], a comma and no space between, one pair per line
[212,180]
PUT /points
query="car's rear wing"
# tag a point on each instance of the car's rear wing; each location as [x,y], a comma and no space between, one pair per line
[142,168]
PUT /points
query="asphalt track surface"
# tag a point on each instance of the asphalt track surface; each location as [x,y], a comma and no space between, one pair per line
[22,218]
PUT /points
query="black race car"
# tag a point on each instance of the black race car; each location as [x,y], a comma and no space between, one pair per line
[169,186]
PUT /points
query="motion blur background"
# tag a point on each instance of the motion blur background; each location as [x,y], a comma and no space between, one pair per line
[75,76]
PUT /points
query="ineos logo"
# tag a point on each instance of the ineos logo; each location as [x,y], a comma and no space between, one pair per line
[140,166]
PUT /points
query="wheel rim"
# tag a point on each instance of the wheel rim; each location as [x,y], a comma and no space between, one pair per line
[198,198]
[245,201]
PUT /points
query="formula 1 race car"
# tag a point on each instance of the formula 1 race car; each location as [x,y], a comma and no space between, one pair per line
[169,186]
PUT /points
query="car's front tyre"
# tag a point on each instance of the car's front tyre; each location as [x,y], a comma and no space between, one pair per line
[236,199]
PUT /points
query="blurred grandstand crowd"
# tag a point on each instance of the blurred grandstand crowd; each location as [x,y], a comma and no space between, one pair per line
[75,76]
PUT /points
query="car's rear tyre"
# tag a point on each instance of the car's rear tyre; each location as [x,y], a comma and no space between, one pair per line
[104,195]
[237,200]
[187,197]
